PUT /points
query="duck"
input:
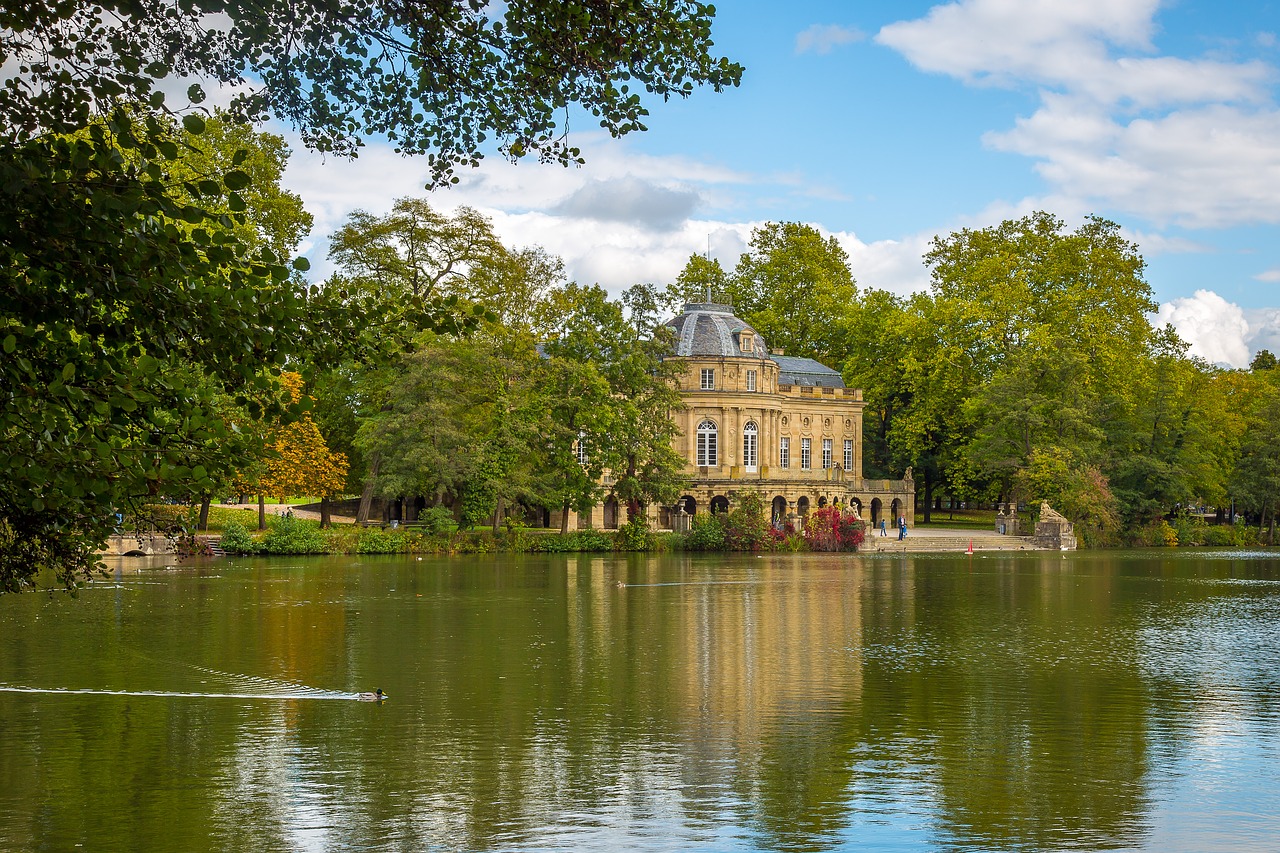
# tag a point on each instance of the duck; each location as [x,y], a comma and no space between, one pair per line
[375,696]
[619,584]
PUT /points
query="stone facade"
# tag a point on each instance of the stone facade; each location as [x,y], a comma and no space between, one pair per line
[759,421]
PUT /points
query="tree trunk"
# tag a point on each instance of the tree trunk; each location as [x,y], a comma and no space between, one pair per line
[262,512]
[497,516]
[564,518]
[325,520]
[203,524]
[928,497]
[366,494]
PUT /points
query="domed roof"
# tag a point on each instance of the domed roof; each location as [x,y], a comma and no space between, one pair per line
[710,329]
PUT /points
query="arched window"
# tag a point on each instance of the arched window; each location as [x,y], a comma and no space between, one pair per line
[750,433]
[708,453]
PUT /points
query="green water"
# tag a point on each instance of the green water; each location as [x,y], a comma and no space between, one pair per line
[1124,701]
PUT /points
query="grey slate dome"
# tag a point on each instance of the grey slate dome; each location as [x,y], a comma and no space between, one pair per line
[710,329]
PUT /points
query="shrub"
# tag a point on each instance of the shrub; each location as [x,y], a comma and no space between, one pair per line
[706,533]
[236,539]
[746,528]
[634,535]
[574,541]
[436,520]
[1157,534]
[291,535]
[828,529]
[1190,530]
[375,541]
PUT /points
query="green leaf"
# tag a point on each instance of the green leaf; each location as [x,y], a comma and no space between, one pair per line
[236,179]
[301,264]
[10,343]
[68,372]
[195,93]
[193,123]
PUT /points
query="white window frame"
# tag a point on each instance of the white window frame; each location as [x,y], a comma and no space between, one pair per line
[708,455]
[708,379]
[581,449]
[848,454]
[806,453]
[745,341]
[750,446]
[751,380]
[827,455]
[784,452]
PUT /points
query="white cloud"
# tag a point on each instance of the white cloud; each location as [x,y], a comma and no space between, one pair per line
[621,219]
[631,200]
[824,38]
[1171,139]
[1215,328]
[1272,275]
[1264,330]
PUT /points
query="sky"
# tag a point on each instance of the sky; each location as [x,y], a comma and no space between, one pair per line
[885,124]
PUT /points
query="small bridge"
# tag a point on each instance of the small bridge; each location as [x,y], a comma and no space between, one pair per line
[136,545]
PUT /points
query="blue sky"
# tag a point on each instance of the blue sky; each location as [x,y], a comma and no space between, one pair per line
[885,124]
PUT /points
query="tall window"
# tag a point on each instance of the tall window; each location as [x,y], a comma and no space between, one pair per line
[582,448]
[804,454]
[708,379]
[746,341]
[784,452]
[708,457]
[826,453]
[751,380]
[848,454]
[749,434]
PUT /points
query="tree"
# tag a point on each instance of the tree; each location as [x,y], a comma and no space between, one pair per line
[414,252]
[578,404]
[299,461]
[442,77]
[701,280]
[795,288]
[111,274]
[585,326]
[1256,479]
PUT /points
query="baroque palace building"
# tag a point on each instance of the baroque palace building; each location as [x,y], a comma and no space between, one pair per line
[756,420]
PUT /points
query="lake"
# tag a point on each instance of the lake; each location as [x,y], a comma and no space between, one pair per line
[1082,701]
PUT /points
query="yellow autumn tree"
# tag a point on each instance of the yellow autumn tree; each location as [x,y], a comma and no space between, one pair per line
[302,463]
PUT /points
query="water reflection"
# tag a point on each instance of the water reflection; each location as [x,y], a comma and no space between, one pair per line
[796,703]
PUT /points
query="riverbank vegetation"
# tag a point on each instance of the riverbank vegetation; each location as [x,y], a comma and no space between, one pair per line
[743,528]
[146,308]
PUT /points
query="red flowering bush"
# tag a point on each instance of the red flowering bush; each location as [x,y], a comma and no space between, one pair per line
[829,529]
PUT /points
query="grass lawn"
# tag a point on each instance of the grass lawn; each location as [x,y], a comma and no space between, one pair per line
[973,519]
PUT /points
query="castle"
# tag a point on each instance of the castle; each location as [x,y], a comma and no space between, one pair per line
[757,420]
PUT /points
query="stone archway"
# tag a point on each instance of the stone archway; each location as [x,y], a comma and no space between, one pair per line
[688,504]
[822,501]
[719,505]
[802,506]
[877,510]
[611,513]
[897,511]
[779,511]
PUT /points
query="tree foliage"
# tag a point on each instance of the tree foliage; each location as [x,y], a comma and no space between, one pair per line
[299,462]
[128,252]
[441,77]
